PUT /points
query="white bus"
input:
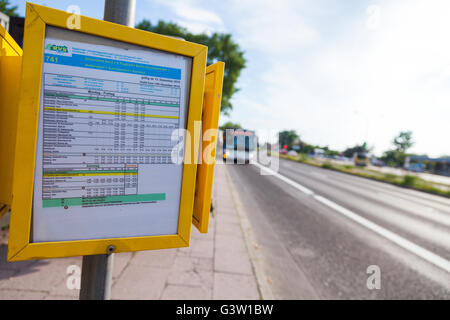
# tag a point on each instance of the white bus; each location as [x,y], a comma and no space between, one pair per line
[239,146]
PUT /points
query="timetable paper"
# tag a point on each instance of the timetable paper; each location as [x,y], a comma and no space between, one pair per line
[104,164]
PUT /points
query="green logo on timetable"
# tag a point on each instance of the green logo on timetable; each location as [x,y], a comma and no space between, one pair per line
[54,47]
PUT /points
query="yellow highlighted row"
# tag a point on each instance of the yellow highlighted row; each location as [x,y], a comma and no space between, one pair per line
[50,175]
[111,113]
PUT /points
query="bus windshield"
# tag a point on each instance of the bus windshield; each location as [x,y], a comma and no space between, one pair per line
[239,145]
[239,139]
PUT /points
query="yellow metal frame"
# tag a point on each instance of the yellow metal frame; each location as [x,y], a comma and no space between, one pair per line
[20,246]
[10,67]
[210,120]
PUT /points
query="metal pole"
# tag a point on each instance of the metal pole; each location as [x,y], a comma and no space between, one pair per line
[120,11]
[96,276]
[96,272]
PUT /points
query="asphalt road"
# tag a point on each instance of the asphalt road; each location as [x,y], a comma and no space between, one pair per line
[311,250]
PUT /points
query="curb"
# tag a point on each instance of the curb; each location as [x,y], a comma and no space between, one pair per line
[255,255]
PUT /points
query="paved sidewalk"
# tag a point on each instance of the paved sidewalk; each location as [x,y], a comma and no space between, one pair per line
[215,266]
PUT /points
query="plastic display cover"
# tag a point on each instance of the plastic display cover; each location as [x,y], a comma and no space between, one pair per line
[104,164]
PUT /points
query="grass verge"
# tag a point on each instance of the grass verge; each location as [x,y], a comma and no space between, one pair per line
[407,181]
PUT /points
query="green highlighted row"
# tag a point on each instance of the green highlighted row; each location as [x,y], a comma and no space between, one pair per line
[109,99]
[92,201]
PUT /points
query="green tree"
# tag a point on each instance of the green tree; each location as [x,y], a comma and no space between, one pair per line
[7,9]
[230,125]
[349,152]
[330,152]
[390,158]
[403,141]
[287,137]
[221,47]
[397,156]
[306,148]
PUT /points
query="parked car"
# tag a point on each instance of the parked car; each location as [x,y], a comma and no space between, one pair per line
[377,162]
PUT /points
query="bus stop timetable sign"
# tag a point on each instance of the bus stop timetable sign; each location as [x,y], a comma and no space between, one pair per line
[10,65]
[96,163]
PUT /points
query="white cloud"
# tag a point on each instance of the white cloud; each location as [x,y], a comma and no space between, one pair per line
[339,73]
[193,17]
[367,83]
[274,27]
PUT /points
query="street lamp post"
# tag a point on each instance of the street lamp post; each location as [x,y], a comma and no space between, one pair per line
[120,11]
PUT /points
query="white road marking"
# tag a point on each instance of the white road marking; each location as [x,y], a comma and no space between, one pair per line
[400,241]
[288,181]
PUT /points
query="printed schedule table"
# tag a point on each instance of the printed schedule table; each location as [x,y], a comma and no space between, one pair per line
[110,127]
[108,147]
[106,118]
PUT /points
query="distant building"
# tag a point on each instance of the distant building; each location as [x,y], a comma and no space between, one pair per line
[439,166]
[4,21]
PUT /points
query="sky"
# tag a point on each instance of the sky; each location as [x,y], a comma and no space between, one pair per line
[339,72]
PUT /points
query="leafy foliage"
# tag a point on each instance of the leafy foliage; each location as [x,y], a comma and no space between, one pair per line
[230,125]
[287,137]
[7,9]
[390,158]
[349,152]
[221,47]
[403,141]
[409,181]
